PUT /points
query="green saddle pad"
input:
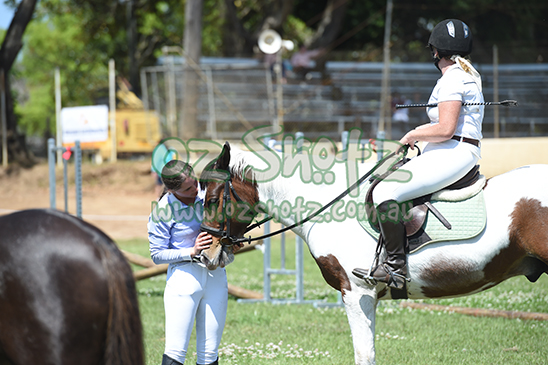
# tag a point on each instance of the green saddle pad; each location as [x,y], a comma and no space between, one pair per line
[467,218]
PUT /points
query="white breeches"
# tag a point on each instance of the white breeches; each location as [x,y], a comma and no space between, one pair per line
[192,291]
[440,164]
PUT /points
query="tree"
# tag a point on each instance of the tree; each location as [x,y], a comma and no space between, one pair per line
[59,42]
[131,32]
[12,44]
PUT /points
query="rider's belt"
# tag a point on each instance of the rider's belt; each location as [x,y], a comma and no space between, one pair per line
[475,142]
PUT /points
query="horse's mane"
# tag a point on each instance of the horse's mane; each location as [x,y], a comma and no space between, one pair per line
[240,163]
[239,167]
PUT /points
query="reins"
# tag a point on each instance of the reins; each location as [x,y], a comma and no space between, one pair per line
[321,210]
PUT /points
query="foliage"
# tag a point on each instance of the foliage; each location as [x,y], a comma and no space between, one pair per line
[259,333]
[58,42]
[515,26]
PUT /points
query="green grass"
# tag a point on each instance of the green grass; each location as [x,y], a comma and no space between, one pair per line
[260,333]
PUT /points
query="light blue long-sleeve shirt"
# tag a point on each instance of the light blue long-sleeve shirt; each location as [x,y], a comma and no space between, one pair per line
[173,227]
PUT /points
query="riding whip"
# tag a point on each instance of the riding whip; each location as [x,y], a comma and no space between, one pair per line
[503,103]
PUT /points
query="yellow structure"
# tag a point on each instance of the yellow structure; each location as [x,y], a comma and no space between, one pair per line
[137,130]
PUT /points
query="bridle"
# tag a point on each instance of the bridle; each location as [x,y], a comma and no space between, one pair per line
[229,240]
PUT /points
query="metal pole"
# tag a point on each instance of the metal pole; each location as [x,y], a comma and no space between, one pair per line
[299,262]
[171,99]
[78,177]
[112,107]
[270,92]
[155,92]
[299,256]
[385,117]
[58,114]
[345,144]
[380,141]
[51,169]
[266,264]
[384,112]
[4,116]
[65,183]
[282,250]
[211,103]
[496,89]
[279,121]
[144,93]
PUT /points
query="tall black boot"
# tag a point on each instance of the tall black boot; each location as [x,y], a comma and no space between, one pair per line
[393,271]
[166,360]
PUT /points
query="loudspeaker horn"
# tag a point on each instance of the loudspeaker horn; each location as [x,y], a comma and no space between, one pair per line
[270,41]
[289,45]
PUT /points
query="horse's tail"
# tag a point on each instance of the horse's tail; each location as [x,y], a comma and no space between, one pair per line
[124,340]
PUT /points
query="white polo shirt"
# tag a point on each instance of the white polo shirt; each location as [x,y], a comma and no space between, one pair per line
[457,84]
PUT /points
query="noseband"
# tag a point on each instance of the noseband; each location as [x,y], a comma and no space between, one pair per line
[226,238]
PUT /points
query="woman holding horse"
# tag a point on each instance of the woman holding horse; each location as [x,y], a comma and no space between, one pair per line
[192,291]
[453,148]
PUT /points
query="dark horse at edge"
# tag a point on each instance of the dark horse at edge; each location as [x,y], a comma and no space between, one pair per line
[67,294]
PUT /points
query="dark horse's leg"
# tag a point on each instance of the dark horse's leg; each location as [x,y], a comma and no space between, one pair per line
[65,293]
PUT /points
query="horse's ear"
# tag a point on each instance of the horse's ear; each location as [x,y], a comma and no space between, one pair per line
[224,158]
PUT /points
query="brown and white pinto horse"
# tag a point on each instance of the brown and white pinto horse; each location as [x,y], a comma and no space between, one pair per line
[67,294]
[514,242]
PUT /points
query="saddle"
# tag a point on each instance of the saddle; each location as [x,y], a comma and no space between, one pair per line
[418,208]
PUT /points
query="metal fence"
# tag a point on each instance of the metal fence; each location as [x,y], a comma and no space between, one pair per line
[236,94]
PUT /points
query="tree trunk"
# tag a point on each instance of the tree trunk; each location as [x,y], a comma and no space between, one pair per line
[328,30]
[132,47]
[188,123]
[330,25]
[13,42]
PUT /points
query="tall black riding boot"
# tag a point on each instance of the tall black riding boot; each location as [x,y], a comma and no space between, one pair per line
[393,271]
[166,360]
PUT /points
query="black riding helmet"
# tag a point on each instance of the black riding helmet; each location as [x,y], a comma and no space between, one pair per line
[450,37]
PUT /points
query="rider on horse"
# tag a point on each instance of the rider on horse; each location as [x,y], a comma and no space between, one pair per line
[453,149]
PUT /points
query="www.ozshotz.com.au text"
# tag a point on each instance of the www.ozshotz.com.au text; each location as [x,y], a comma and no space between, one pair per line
[296,211]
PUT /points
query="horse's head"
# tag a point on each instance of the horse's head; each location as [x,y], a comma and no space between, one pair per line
[231,196]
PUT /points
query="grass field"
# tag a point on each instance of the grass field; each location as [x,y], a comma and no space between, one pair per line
[260,333]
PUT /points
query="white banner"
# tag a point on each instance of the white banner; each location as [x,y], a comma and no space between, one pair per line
[84,124]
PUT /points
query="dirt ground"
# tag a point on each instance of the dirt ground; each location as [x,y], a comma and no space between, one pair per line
[115,197]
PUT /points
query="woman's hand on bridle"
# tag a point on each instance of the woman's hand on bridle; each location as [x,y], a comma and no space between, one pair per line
[203,242]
